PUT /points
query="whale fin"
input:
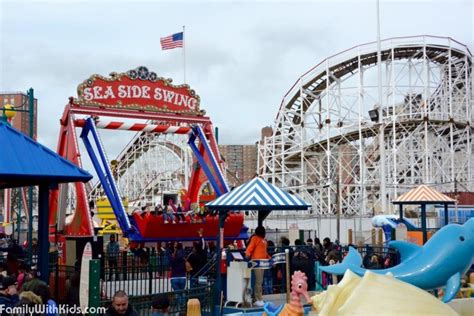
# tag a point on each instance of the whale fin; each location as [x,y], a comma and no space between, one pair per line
[272,309]
[452,287]
[406,249]
[352,260]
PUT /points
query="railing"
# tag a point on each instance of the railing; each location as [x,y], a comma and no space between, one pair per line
[308,260]
[144,275]
[208,271]
[177,300]
[60,282]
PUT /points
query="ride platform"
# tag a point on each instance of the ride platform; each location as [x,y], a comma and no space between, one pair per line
[153,227]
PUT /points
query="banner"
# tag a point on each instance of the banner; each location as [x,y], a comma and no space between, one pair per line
[267,263]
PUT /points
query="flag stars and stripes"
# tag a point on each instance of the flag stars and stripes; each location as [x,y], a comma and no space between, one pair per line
[172,41]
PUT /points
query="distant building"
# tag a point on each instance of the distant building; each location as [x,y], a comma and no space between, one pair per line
[267,131]
[21,121]
[241,162]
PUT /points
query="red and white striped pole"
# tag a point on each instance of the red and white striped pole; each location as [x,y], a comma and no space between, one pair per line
[165,129]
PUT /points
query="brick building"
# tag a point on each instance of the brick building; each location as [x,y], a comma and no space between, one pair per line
[241,162]
[21,121]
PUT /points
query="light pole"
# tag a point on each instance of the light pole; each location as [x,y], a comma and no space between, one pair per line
[383,193]
[31,108]
[8,112]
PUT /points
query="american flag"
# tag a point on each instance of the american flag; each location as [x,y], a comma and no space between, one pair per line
[172,41]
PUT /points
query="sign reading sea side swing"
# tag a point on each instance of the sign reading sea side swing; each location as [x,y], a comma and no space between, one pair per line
[138,89]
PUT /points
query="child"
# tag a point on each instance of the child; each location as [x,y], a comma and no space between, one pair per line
[168,215]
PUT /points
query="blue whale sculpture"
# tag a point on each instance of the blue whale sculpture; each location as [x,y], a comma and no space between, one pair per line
[442,261]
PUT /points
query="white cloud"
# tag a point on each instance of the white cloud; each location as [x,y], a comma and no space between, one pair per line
[241,57]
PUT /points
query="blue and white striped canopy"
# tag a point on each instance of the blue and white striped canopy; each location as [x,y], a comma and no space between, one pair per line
[258,194]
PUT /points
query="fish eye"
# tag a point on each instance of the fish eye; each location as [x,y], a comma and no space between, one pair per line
[461,238]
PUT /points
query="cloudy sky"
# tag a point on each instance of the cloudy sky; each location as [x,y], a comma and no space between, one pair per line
[242,56]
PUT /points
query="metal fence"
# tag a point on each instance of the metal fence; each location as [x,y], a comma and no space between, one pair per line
[274,234]
[60,281]
[147,274]
[178,300]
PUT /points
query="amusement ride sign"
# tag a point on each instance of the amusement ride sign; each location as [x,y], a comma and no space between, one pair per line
[138,89]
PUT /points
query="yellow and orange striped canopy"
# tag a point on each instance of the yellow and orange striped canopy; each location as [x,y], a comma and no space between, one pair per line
[423,194]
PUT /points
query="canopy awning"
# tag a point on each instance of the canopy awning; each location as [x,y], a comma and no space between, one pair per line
[25,162]
[258,194]
[423,194]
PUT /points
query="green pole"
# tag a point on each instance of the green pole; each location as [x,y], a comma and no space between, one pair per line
[31,108]
[216,133]
[94,284]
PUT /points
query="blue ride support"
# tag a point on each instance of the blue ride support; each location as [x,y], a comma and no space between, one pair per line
[101,165]
[215,176]
[104,173]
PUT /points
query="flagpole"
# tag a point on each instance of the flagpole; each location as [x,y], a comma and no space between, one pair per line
[184,55]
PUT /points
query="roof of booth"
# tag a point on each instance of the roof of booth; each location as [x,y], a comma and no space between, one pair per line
[25,162]
[258,194]
[423,194]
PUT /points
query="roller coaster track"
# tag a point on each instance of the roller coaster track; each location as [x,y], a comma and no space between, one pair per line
[326,147]
[317,84]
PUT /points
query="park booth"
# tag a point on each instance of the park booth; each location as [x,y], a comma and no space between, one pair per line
[422,196]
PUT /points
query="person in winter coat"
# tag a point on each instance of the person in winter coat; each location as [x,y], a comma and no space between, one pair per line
[257,250]
[120,306]
[8,294]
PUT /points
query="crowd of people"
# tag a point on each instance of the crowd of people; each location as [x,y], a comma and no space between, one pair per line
[23,288]
[20,284]
[182,265]
[170,260]
[303,255]
[172,214]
